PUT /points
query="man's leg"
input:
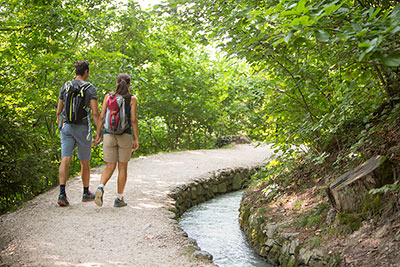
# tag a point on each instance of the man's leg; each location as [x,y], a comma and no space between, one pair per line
[67,148]
[63,176]
[63,170]
[85,172]
[84,153]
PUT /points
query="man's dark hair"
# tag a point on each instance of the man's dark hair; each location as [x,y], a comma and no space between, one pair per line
[81,66]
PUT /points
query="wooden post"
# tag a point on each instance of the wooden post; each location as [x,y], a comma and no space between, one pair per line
[348,191]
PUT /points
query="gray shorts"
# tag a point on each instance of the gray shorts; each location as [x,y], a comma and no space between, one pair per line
[72,135]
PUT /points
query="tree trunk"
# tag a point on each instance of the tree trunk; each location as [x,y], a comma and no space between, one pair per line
[347,193]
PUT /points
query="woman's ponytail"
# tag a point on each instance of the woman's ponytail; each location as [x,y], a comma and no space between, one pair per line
[123,82]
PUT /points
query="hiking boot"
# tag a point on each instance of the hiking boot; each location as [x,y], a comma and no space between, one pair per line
[88,197]
[99,196]
[119,203]
[62,200]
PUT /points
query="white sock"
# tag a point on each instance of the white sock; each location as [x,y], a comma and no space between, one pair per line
[101,185]
[120,196]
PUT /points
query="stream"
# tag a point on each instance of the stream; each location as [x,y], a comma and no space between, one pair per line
[215,226]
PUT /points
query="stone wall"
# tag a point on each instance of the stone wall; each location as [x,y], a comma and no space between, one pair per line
[208,186]
[278,247]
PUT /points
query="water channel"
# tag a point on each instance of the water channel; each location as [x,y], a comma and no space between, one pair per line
[215,226]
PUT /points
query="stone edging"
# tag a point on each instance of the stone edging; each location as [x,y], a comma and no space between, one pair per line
[279,248]
[208,186]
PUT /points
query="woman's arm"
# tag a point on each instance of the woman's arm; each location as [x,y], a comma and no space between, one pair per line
[100,120]
[134,123]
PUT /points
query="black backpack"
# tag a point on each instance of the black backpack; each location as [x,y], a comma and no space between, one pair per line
[75,109]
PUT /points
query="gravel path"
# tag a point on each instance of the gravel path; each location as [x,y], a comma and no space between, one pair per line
[141,234]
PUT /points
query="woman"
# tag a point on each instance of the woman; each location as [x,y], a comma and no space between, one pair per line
[118,148]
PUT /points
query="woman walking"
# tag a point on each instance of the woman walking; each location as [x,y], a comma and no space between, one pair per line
[119,116]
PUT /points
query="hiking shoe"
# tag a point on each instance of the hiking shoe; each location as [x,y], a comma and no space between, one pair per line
[62,200]
[88,197]
[99,196]
[119,203]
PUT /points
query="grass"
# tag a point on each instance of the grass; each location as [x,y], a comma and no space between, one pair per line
[315,217]
[314,242]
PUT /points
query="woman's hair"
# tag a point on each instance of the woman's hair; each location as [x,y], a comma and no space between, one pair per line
[81,66]
[123,82]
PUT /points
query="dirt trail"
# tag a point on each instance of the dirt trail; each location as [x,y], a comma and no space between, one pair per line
[141,234]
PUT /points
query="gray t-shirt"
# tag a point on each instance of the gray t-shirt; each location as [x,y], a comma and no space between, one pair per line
[90,93]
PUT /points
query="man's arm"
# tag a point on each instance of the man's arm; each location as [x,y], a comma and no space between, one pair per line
[60,107]
[95,111]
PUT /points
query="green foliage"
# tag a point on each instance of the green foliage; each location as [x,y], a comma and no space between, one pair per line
[335,260]
[326,64]
[188,96]
[395,187]
[295,73]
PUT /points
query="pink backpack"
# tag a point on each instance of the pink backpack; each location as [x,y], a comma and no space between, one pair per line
[116,119]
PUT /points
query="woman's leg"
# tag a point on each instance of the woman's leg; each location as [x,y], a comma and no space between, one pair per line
[105,176]
[107,173]
[122,176]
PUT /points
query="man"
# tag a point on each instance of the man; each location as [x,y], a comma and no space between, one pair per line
[75,128]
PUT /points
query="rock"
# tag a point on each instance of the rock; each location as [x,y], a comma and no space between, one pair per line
[215,189]
[241,139]
[183,233]
[270,231]
[305,255]
[331,216]
[317,254]
[193,192]
[192,241]
[173,216]
[200,190]
[270,243]
[222,188]
[223,141]
[264,251]
[292,261]
[237,182]
[293,246]
[274,254]
[285,248]
[237,139]
[204,255]
[289,236]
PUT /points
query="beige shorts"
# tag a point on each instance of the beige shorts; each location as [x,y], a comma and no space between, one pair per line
[117,147]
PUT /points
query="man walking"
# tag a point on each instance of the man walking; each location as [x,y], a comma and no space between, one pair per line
[76,99]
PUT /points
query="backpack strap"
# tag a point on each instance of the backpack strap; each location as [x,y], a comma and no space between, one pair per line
[68,86]
[82,92]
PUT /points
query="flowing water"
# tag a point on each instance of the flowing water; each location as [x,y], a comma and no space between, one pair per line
[215,226]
